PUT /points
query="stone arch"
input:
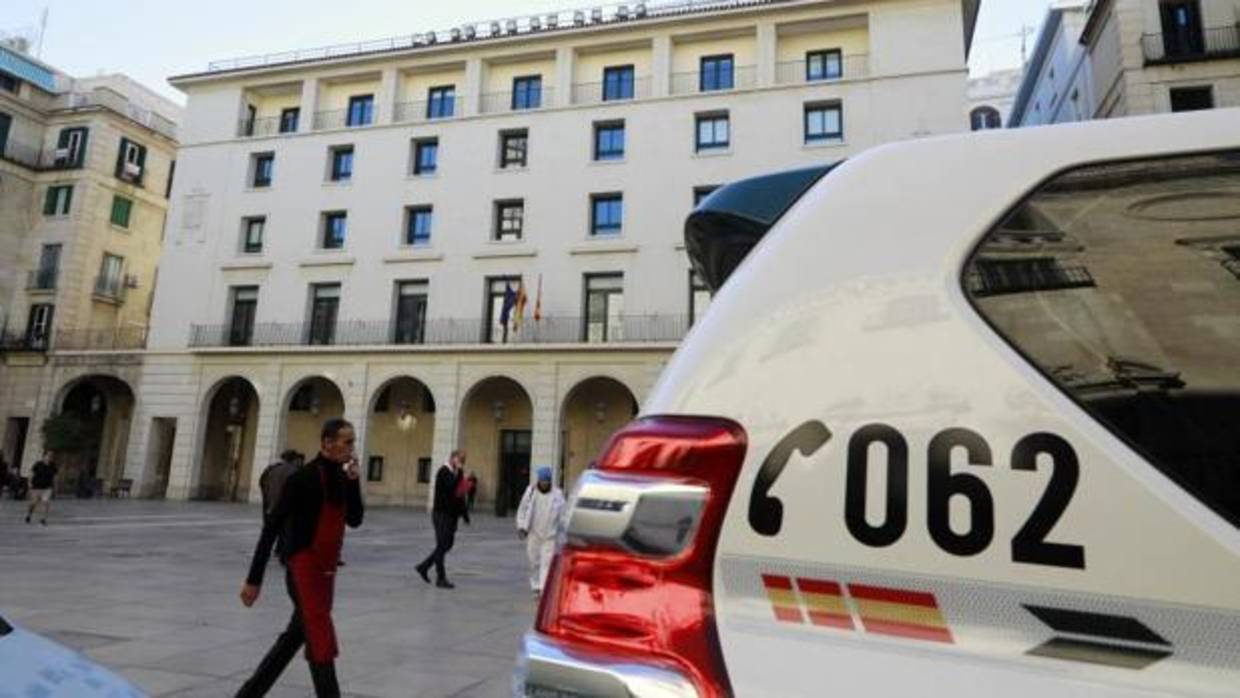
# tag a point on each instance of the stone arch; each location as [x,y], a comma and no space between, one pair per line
[308,403]
[229,412]
[592,410]
[400,430]
[496,428]
[103,406]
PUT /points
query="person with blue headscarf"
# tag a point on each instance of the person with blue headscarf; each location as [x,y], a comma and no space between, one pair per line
[538,523]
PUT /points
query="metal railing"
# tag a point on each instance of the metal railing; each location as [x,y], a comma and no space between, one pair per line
[1218,42]
[110,288]
[853,67]
[256,128]
[35,157]
[102,339]
[41,279]
[593,92]
[338,118]
[444,331]
[493,102]
[24,341]
[1028,279]
[414,112]
[114,101]
[742,77]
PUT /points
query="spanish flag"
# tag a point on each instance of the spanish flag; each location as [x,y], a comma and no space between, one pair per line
[538,301]
[900,613]
[522,299]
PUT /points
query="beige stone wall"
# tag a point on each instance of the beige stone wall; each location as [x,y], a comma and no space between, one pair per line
[302,427]
[400,442]
[480,431]
[594,410]
[17,211]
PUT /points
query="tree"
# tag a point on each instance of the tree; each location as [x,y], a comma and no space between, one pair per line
[64,433]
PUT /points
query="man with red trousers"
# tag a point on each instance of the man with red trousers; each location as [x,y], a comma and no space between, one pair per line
[317,502]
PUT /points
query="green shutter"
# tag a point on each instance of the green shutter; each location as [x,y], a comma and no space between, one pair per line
[49,202]
[121,208]
[68,199]
[63,140]
[120,159]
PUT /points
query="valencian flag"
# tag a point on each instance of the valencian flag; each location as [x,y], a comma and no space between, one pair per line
[522,300]
[538,301]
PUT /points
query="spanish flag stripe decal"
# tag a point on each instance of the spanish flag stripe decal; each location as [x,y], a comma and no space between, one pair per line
[907,630]
[911,598]
[824,600]
[900,613]
[783,599]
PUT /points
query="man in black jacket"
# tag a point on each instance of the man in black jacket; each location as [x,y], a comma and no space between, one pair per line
[317,502]
[449,505]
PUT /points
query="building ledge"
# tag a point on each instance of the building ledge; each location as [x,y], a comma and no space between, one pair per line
[413,257]
[603,248]
[244,265]
[326,262]
[442,348]
[515,252]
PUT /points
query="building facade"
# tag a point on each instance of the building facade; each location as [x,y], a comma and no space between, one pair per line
[991,97]
[1111,58]
[473,238]
[85,170]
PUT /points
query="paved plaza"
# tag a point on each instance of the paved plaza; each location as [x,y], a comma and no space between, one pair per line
[149,589]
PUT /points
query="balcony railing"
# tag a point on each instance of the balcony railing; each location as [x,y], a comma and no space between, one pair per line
[742,77]
[415,112]
[444,331]
[34,156]
[41,280]
[105,339]
[109,99]
[24,341]
[338,118]
[1219,42]
[494,102]
[110,288]
[850,68]
[257,128]
[593,92]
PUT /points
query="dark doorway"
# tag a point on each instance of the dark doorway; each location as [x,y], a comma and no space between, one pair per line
[514,469]
[15,438]
[1192,98]
[1181,25]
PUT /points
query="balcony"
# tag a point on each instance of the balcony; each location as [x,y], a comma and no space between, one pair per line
[41,280]
[338,118]
[35,157]
[23,341]
[742,77]
[417,112]
[495,102]
[444,331]
[1211,44]
[856,67]
[258,128]
[101,339]
[593,93]
[110,289]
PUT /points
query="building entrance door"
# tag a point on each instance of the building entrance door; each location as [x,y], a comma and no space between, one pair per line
[514,469]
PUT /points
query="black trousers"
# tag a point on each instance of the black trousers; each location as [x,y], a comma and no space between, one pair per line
[445,536]
[282,652]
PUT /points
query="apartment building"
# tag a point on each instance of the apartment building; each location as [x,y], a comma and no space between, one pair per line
[991,97]
[85,171]
[473,238]
[1101,59]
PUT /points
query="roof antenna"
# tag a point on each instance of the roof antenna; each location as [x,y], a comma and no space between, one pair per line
[38,53]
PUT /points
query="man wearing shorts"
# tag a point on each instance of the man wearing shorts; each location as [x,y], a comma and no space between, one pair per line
[42,477]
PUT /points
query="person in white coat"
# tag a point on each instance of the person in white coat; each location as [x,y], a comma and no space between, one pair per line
[538,523]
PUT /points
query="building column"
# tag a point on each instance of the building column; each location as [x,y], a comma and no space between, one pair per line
[266,426]
[309,104]
[768,55]
[446,390]
[473,86]
[385,110]
[564,70]
[661,66]
[546,418]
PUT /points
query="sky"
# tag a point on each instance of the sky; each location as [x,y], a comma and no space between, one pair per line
[150,41]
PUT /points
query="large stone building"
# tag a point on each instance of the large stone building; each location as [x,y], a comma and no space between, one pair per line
[991,97]
[474,237]
[85,170]
[1110,58]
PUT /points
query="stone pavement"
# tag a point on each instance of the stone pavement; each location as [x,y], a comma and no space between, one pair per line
[149,589]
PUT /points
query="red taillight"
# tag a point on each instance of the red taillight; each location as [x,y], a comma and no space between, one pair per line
[634,598]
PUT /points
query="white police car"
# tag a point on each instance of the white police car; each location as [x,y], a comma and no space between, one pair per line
[966,422]
[35,667]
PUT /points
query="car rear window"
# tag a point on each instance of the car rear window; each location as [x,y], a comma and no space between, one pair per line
[1121,283]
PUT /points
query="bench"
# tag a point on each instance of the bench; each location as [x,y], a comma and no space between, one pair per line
[122,487]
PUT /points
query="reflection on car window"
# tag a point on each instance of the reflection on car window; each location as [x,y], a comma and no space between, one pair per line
[1122,283]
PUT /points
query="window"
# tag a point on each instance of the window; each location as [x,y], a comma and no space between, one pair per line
[374,469]
[324,305]
[702,192]
[1192,98]
[341,163]
[712,132]
[604,304]
[241,317]
[58,200]
[501,301]
[715,73]
[824,122]
[9,83]
[609,140]
[121,208]
[699,297]
[6,123]
[618,82]
[509,219]
[288,120]
[361,110]
[110,282]
[410,324]
[131,162]
[172,171]
[251,117]
[997,276]
[513,148]
[441,102]
[264,164]
[424,470]
[984,118]
[425,156]
[418,225]
[527,92]
[39,325]
[606,214]
[824,65]
[335,225]
[49,268]
[1152,366]
[252,234]
[1182,33]
[71,147]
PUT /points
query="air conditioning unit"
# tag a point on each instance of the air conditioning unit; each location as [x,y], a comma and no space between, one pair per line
[431,38]
[553,21]
[131,281]
[470,32]
[133,170]
[579,18]
[495,29]
[511,26]
[622,12]
[535,23]
[62,154]
[640,10]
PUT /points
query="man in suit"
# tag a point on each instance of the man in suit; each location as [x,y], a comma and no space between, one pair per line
[449,506]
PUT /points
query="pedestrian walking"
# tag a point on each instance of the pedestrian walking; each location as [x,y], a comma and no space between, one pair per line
[473,490]
[271,484]
[318,501]
[42,481]
[449,505]
[538,524]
